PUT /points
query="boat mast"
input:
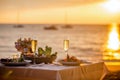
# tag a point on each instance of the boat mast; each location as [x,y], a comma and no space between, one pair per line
[18,17]
[66,16]
[66,24]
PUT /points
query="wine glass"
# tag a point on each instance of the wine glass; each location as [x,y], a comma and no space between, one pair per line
[66,46]
[33,48]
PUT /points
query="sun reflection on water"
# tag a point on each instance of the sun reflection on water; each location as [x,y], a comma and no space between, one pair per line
[112,49]
[113,39]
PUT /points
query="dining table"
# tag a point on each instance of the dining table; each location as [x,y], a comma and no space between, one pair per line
[85,71]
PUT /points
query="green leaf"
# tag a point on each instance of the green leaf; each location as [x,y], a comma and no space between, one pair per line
[40,51]
[48,50]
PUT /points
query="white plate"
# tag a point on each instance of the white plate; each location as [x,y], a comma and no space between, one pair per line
[70,63]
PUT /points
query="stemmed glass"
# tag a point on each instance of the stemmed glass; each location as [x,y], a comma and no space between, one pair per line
[33,48]
[66,46]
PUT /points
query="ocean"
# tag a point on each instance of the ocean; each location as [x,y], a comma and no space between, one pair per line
[86,41]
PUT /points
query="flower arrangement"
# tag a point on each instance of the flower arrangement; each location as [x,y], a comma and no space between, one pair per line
[24,45]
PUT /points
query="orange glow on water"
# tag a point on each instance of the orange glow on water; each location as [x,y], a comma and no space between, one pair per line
[113,39]
[113,44]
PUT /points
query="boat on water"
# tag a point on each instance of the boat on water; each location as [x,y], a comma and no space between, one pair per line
[18,26]
[67,26]
[52,27]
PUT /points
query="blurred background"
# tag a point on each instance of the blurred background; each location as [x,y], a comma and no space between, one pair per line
[91,26]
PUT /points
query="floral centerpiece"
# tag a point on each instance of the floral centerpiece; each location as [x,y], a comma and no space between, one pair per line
[23,46]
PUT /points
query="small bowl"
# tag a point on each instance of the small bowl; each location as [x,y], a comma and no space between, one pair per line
[45,60]
[40,59]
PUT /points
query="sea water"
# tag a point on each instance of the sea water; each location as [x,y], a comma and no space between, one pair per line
[85,41]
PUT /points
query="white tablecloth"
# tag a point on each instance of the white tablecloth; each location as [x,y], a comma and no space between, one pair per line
[94,71]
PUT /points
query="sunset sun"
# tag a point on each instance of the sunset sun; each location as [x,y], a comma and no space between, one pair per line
[112,6]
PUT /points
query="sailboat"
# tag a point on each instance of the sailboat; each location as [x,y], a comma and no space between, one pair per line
[51,27]
[18,25]
[66,25]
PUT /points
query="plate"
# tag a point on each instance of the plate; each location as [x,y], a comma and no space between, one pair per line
[15,63]
[5,60]
[70,63]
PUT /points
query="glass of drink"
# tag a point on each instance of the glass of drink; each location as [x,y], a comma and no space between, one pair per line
[66,46]
[33,48]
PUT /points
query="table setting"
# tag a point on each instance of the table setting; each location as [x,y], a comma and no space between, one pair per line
[30,54]
[38,63]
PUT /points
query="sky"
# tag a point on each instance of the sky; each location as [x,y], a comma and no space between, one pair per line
[60,11]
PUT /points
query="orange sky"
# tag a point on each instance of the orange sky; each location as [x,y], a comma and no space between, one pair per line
[53,11]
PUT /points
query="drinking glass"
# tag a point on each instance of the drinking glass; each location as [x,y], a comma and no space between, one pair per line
[33,48]
[66,46]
